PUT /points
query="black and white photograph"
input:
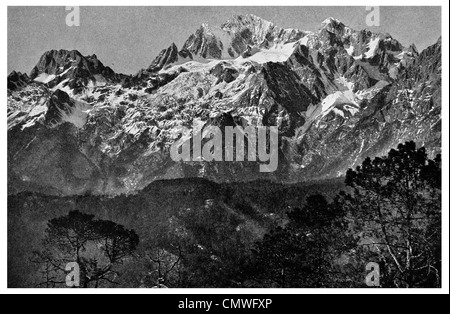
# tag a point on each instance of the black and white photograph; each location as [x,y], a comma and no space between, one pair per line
[184,147]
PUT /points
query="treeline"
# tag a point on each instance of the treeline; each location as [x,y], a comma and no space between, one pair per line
[195,233]
[391,218]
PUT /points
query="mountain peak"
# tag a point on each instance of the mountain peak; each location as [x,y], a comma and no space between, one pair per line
[413,50]
[245,19]
[314,87]
[71,68]
[331,20]
[165,57]
[237,22]
[62,52]
[235,36]
[17,80]
[333,25]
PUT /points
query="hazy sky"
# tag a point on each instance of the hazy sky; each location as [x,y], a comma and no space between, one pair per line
[128,38]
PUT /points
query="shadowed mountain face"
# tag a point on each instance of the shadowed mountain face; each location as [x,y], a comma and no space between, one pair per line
[17,80]
[337,96]
[59,69]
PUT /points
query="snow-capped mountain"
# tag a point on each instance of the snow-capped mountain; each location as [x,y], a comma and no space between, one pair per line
[337,96]
[60,69]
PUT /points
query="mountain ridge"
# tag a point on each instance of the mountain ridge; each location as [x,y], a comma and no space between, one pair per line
[336,95]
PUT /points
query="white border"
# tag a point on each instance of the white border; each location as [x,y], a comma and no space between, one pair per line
[445,149]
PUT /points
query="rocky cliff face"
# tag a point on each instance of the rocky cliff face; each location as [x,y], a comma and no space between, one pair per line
[235,36]
[17,80]
[336,95]
[59,69]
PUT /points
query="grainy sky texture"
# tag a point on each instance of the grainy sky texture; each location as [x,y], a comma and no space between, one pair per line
[128,38]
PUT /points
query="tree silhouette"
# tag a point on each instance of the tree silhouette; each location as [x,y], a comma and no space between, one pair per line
[396,208]
[95,245]
[162,265]
[303,253]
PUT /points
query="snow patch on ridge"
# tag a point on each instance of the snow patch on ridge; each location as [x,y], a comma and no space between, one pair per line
[372,46]
[77,115]
[338,98]
[350,50]
[341,102]
[45,78]
[277,53]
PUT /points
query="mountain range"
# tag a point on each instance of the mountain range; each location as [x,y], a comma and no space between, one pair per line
[337,96]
